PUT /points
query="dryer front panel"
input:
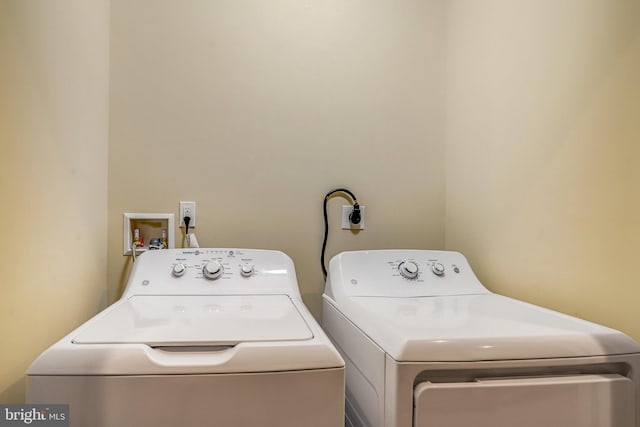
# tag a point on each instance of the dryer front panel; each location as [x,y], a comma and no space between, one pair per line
[554,401]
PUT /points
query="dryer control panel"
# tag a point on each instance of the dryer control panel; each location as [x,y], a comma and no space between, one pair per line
[402,273]
[212,271]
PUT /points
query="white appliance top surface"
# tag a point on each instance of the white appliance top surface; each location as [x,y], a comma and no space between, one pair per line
[422,305]
[174,319]
[182,320]
[478,327]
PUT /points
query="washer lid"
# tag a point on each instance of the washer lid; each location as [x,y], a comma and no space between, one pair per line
[478,327]
[160,320]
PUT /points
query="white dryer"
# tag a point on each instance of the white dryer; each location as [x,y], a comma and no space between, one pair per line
[200,337]
[426,345]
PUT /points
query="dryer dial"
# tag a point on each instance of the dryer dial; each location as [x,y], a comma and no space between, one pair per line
[212,270]
[437,268]
[408,269]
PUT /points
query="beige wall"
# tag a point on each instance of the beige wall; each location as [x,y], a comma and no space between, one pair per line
[256,110]
[543,151]
[53,175]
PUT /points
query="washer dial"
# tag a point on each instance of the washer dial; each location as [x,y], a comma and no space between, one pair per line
[179,269]
[246,270]
[408,269]
[212,270]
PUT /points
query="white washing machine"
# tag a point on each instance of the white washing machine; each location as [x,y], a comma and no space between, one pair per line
[426,345]
[206,337]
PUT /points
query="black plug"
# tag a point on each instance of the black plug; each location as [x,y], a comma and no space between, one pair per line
[355,216]
[187,220]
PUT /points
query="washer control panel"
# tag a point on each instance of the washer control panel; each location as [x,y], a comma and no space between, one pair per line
[212,271]
[402,273]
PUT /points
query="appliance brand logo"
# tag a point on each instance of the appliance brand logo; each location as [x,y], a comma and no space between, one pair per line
[34,415]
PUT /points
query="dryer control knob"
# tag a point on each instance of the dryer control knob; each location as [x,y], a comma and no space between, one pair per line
[437,268]
[212,270]
[408,269]
[179,270]
[246,270]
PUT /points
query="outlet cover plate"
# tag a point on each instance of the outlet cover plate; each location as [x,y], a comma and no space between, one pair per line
[191,207]
[346,224]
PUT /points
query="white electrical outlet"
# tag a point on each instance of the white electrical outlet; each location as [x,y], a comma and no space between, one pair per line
[188,209]
[346,224]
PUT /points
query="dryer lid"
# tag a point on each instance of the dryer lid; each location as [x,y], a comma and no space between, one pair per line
[478,327]
[192,320]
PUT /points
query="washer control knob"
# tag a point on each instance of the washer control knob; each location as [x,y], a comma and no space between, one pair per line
[179,270]
[246,270]
[437,268]
[212,270]
[408,269]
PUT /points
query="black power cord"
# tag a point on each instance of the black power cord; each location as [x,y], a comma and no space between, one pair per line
[355,217]
[187,220]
